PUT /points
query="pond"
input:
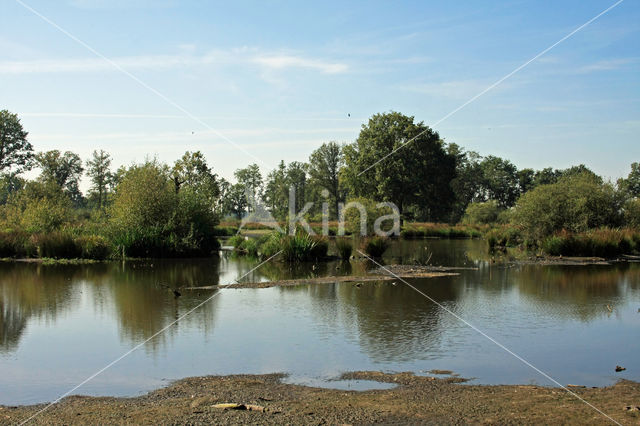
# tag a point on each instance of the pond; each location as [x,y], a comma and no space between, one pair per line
[60,324]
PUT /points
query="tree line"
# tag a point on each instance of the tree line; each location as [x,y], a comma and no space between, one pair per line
[428,179]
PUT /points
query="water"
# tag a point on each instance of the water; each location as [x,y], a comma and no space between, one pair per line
[60,324]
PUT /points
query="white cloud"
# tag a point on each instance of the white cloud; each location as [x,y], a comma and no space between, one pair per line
[290,61]
[606,65]
[459,89]
[244,56]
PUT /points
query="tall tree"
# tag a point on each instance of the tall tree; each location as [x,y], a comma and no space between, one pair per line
[16,153]
[250,180]
[632,183]
[324,171]
[98,169]
[276,192]
[500,180]
[468,181]
[192,170]
[297,179]
[63,169]
[417,170]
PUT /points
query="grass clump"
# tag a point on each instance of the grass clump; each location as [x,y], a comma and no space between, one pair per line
[344,247]
[94,247]
[375,246]
[604,242]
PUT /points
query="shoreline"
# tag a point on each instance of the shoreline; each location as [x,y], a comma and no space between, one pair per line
[265,399]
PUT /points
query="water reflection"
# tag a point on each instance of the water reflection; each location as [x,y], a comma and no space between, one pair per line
[309,330]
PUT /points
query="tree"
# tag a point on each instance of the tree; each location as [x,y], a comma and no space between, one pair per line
[417,170]
[16,153]
[63,169]
[500,181]
[250,179]
[296,178]
[483,212]
[526,178]
[101,176]
[468,181]
[276,193]
[632,183]
[192,171]
[546,176]
[324,171]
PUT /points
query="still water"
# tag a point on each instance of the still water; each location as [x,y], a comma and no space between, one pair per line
[60,324]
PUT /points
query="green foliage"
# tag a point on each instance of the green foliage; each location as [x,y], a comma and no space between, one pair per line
[375,246]
[482,213]
[344,247]
[94,247]
[151,219]
[500,181]
[575,203]
[353,219]
[504,236]
[101,177]
[65,170]
[236,240]
[38,207]
[324,172]
[604,242]
[418,174]
[57,245]
[440,230]
[632,213]
[16,153]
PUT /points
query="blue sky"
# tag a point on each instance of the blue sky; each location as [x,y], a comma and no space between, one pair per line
[279,78]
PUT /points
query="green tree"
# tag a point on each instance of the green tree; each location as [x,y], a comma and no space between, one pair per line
[98,170]
[546,177]
[468,181]
[632,183]
[417,170]
[250,180]
[16,153]
[193,171]
[324,171]
[526,180]
[63,169]
[276,193]
[296,177]
[500,181]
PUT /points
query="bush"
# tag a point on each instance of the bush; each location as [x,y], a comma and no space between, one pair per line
[375,246]
[576,203]
[12,244]
[236,240]
[505,236]
[94,247]
[482,213]
[344,247]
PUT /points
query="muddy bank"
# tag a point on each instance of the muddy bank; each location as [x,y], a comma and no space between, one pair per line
[326,280]
[266,400]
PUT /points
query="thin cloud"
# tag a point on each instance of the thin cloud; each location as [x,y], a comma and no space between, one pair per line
[290,61]
[606,65]
[214,57]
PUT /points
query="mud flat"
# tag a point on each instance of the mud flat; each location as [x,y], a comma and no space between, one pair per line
[264,399]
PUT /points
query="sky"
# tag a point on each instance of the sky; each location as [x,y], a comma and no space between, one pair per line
[259,82]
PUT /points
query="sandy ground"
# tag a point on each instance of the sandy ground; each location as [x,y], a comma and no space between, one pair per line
[416,400]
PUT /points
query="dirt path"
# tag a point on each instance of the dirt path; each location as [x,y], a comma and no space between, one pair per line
[421,400]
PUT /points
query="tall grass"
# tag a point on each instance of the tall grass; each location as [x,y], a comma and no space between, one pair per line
[375,246]
[344,247]
[441,230]
[604,242]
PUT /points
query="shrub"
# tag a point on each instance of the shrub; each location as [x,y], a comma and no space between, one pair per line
[12,244]
[344,247]
[485,213]
[576,203]
[236,240]
[375,246]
